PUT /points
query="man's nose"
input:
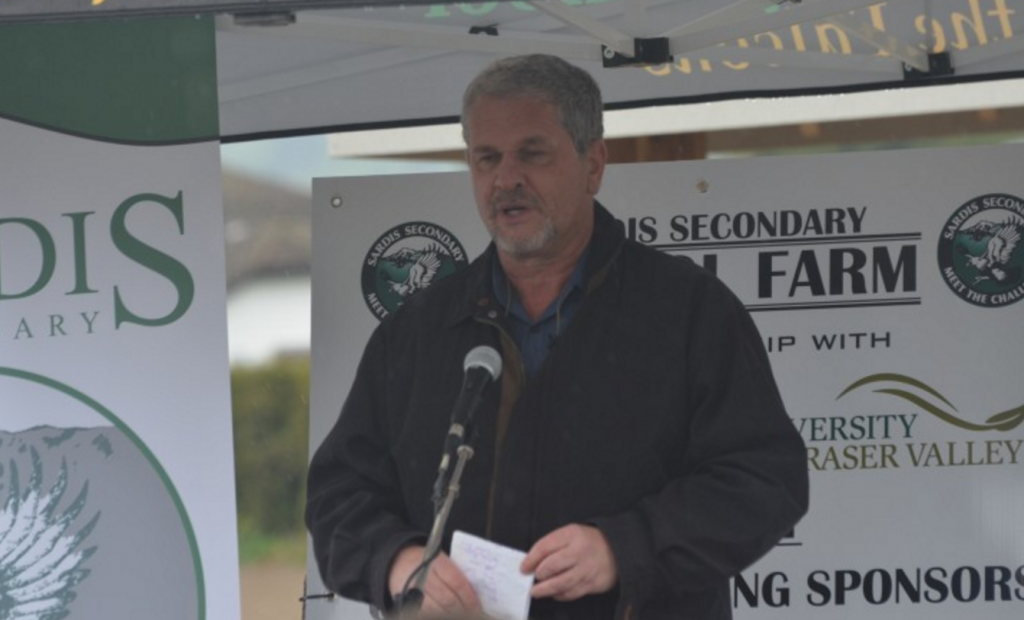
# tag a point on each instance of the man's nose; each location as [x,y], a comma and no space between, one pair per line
[509,174]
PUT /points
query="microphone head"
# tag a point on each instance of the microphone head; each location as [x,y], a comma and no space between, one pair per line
[484,357]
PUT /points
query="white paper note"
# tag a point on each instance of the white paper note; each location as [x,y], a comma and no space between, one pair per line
[493,570]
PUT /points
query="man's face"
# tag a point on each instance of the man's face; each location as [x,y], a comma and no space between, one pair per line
[533,190]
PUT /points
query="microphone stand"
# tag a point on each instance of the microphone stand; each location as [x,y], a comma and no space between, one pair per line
[412,599]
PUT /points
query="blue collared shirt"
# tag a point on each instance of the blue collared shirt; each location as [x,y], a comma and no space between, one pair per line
[535,338]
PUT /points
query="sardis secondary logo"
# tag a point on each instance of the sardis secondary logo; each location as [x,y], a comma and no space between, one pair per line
[406,259]
[980,251]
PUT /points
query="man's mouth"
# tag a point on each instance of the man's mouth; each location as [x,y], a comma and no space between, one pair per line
[512,210]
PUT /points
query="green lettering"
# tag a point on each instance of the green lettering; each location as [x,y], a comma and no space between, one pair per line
[23,330]
[57,325]
[88,320]
[472,8]
[81,273]
[151,258]
[49,257]
[437,10]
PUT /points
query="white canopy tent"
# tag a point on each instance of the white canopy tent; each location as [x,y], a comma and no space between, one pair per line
[288,67]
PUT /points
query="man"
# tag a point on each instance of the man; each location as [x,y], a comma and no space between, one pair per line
[636,447]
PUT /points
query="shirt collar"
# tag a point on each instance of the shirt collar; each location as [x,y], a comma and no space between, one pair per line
[478,299]
[507,298]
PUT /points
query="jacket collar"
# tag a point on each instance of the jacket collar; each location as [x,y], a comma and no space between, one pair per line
[478,299]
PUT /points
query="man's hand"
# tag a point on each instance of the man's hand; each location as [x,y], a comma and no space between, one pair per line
[570,563]
[446,590]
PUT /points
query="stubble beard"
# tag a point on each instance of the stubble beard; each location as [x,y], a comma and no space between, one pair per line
[520,246]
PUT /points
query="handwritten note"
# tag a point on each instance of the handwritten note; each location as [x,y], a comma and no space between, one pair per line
[494,572]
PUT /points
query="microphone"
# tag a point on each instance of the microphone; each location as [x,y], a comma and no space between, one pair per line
[482,365]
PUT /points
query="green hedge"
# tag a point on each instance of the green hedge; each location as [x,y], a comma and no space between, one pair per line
[271,427]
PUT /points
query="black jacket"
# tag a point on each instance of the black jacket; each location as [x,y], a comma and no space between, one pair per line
[655,418]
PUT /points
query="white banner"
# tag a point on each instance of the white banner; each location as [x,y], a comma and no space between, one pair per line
[114,372]
[888,288]
[116,462]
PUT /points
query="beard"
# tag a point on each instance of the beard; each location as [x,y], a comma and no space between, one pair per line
[520,245]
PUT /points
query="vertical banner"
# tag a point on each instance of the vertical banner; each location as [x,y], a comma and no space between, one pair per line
[889,290]
[116,460]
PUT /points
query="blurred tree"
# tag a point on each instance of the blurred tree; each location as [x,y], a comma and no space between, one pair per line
[271,427]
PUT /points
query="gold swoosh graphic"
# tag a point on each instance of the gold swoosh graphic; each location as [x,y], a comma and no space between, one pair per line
[1003,421]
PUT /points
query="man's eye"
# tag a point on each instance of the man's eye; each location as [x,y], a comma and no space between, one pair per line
[487,160]
[533,155]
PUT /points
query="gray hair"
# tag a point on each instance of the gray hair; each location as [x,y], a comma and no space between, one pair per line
[572,91]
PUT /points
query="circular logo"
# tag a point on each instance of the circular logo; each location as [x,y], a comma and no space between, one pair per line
[95,515]
[406,259]
[980,251]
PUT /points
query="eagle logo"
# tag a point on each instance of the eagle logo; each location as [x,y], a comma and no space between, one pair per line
[42,559]
[980,251]
[406,259]
[408,270]
[1000,240]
